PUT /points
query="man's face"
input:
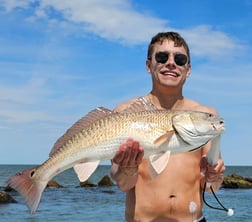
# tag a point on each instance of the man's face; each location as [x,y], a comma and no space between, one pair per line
[169,73]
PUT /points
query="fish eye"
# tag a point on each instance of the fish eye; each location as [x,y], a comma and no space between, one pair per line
[32,173]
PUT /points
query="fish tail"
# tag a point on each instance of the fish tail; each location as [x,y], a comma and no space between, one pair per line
[30,188]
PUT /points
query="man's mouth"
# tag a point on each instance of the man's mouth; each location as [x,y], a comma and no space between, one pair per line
[168,73]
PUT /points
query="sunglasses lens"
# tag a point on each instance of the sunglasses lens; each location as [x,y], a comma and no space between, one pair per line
[180,59]
[161,57]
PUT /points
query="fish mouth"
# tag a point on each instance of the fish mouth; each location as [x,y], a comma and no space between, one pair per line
[219,126]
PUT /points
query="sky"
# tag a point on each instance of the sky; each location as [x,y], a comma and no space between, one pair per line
[60,59]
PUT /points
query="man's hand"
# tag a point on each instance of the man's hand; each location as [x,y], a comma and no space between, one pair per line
[213,174]
[125,163]
[130,154]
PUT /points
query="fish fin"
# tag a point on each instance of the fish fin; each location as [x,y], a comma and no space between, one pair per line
[164,138]
[141,104]
[85,170]
[214,152]
[77,127]
[30,188]
[158,162]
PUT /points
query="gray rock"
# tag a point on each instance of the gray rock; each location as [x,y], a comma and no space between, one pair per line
[6,198]
[235,181]
[105,181]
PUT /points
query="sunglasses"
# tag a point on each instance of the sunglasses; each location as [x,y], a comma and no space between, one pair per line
[179,58]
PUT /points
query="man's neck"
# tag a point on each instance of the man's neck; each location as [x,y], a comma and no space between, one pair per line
[166,100]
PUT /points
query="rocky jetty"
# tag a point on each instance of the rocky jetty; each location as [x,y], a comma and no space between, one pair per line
[53,183]
[87,183]
[106,181]
[8,189]
[6,198]
[235,181]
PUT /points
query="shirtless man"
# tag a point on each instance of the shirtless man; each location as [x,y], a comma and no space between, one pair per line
[175,195]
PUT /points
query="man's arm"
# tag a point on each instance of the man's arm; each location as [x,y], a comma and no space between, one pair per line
[212,174]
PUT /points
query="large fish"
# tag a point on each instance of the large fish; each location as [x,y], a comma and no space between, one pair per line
[97,136]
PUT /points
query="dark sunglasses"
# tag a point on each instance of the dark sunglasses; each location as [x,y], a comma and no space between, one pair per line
[179,58]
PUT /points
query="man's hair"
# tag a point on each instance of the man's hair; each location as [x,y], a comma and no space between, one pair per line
[173,36]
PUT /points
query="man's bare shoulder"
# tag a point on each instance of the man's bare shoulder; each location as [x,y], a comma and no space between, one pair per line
[124,105]
[196,106]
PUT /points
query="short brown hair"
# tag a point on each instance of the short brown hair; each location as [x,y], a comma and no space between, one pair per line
[174,36]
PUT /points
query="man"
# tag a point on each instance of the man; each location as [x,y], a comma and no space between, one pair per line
[175,195]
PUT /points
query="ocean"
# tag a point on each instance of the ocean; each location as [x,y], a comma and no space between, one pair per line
[74,203]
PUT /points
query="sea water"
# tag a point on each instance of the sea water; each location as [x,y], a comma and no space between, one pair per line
[75,203]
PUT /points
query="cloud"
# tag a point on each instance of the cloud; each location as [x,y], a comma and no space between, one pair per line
[205,41]
[115,20]
[9,5]
[60,58]
[226,83]
[18,102]
[119,21]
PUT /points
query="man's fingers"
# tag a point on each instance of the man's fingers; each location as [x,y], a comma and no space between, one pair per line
[130,154]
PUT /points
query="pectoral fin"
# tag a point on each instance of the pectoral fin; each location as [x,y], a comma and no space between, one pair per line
[164,138]
[158,162]
[85,170]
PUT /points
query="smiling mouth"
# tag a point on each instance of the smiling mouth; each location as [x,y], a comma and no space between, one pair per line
[172,74]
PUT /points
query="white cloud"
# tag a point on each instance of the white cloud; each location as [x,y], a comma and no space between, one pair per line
[119,21]
[205,41]
[223,82]
[49,77]
[113,20]
[18,102]
[11,4]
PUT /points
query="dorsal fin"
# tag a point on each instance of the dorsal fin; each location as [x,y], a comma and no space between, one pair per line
[141,104]
[77,127]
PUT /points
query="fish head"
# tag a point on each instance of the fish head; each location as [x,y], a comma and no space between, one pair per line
[197,127]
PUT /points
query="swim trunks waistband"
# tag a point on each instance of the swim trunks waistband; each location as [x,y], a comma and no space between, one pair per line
[201,219]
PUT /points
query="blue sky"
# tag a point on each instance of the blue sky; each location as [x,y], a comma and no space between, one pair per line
[59,59]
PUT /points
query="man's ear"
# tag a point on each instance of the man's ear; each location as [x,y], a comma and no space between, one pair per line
[147,64]
[188,71]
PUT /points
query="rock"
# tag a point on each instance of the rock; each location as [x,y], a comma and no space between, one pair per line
[235,181]
[108,191]
[8,189]
[106,181]
[6,198]
[87,184]
[53,183]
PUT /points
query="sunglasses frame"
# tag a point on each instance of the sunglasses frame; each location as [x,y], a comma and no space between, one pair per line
[179,58]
